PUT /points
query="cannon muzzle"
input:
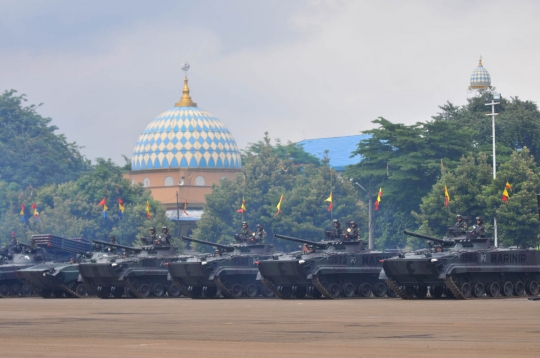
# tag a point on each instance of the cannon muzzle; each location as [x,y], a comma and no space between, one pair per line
[425,237]
[227,248]
[308,242]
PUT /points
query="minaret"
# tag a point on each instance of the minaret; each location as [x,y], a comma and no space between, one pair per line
[185,101]
[480,80]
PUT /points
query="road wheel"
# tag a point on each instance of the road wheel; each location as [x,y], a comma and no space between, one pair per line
[210,292]
[380,289]
[508,288]
[315,293]
[436,291]
[299,292]
[533,288]
[117,292]
[145,290]
[26,290]
[466,290]
[237,290]
[195,291]
[4,290]
[251,290]
[158,290]
[173,291]
[347,289]
[519,288]
[391,293]
[410,291]
[494,290]
[103,292]
[286,291]
[421,291]
[478,290]
[46,293]
[267,292]
[364,290]
[81,290]
[15,290]
[333,289]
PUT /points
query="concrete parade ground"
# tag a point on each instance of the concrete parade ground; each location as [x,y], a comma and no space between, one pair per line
[36,327]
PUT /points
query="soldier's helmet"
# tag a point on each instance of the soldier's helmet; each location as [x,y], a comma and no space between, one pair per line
[259,226]
[245,224]
[459,216]
[164,228]
[152,229]
[479,218]
[352,223]
[336,221]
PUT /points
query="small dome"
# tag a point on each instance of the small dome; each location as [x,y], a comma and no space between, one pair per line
[480,78]
[185,137]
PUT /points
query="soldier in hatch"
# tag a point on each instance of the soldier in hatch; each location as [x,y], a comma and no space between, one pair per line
[353,232]
[165,236]
[337,232]
[245,234]
[479,229]
[259,235]
[461,224]
[149,240]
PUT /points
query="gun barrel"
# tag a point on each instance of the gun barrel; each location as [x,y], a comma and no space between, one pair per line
[224,247]
[135,249]
[309,242]
[426,237]
[68,250]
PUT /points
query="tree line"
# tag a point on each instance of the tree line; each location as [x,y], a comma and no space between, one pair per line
[42,167]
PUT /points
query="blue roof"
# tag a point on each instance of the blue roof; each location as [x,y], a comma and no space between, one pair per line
[339,149]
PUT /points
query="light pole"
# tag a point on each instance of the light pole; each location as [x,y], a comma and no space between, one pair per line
[494,97]
[370,214]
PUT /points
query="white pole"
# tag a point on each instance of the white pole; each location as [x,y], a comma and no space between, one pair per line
[493,114]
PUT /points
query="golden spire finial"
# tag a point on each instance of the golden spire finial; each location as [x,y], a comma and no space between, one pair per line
[480,62]
[185,101]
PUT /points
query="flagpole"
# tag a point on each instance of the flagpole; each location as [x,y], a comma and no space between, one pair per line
[178,215]
[496,96]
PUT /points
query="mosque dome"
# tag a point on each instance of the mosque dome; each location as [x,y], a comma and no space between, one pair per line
[185,137]
[480,78]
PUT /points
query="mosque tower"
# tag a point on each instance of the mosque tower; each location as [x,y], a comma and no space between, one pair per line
[480,81]
[184,150]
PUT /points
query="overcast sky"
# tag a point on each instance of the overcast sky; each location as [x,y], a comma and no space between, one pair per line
[298,69]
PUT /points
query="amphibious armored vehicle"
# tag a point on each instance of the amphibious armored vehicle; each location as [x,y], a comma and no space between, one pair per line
[329,268]
[463,267]
[139,272]
[231,271]
[62,279]
[18,257]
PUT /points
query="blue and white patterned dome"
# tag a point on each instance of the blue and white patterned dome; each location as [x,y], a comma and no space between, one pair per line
[480,78]
[185,136]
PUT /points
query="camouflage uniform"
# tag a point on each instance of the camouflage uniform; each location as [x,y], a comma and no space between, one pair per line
[354,233]
[479,230]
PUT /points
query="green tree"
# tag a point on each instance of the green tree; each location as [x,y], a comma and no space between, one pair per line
[474,192]
[465,186]
[517,220]
[32,154]
[413,155]
[71,209]
[266,175]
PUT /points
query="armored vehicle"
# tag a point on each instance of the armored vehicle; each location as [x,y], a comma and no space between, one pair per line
[462,267]
[230,272]
[139,271]
[62,279]
[329,268]
[46,248]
